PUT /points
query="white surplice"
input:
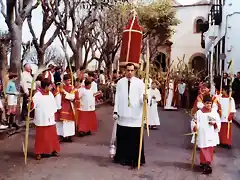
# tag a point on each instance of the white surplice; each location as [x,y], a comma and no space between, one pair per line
[45,107]
[87,100]
[207,134]
[170,93]
[130,116]
[153,117]
[225,104]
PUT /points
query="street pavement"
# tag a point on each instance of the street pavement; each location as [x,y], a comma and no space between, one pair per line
[167,151]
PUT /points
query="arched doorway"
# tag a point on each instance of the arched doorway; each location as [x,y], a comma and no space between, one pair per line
[198,64]
[161,62]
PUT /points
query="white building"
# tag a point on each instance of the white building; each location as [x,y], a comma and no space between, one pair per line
[223,36]
[186,42]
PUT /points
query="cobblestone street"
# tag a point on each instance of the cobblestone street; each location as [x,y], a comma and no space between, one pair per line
[167,150]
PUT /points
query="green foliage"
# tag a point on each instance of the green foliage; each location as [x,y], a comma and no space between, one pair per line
[156,18]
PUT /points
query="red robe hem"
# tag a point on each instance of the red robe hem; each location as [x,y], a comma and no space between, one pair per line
[223,134]
[46,140]
[87,121]
[206,155]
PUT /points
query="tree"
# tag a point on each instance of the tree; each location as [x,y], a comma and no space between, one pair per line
[51,54]
[156,19]
[15,14]
[82,21]
[108,34]
[47,22]
[4,49]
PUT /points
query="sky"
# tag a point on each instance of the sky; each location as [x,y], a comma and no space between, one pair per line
[187,1]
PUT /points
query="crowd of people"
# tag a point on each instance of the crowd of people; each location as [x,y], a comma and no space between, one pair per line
[63,105]
[13,95]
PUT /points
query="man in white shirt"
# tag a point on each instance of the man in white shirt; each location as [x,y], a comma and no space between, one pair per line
[26,81]
[128,113]
[102,77]
[181,91]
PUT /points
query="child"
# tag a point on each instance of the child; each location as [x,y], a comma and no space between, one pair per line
[228,110]
[154,98]
[66,124]
[12,96]
[46,140]
[207,124]
[87,117]
[78,85]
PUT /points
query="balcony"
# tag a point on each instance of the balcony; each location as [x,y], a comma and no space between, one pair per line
[210,36]
[215,14]
[204,27]
[202,41]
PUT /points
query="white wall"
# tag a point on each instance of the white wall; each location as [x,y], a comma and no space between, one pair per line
[231,29]
[185,41]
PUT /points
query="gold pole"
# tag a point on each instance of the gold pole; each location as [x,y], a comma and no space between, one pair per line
[194,149]
[25,147]
[145,106]
[230,98]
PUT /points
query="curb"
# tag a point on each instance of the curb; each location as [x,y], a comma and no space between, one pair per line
[9,132]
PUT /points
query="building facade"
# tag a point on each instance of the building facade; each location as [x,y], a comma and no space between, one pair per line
[186,42]
[222,39]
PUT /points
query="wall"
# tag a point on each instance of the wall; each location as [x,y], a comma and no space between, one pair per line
[230,28]
[185,41]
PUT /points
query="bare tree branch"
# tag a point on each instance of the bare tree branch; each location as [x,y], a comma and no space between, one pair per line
[3,9]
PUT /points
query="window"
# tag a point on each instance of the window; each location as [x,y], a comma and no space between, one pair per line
[197,24]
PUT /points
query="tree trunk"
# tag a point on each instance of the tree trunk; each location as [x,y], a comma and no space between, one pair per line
[3,59]
[15,57]
[40,58]
[78,57]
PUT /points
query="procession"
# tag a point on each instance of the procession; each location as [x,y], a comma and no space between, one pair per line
[144,114]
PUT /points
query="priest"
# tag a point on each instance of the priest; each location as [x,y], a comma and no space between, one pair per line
[128,114]
[171,99]
[154,97]
[46,140]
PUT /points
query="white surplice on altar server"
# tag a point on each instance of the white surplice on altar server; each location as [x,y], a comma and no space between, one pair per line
[227,103]
[207,134]
[87,99]
[45,108]
[153,117]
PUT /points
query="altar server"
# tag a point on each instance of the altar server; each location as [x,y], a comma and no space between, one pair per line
[228,111]
[66,123]
[207,124]
[46,140]
[87,121]
[154,97]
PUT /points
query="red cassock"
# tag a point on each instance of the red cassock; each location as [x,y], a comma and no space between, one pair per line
[66,113]
[224,140]
[77,105]
[131,43]
[46,139]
